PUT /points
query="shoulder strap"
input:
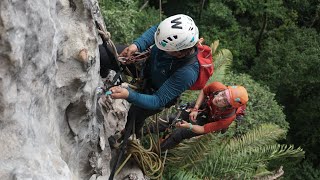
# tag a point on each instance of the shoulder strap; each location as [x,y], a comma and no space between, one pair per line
[183,63]
[187,61]
[229,115]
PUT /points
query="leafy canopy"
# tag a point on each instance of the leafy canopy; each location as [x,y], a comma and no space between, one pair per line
[125,21]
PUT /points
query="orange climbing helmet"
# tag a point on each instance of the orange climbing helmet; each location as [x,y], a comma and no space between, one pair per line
[237,96]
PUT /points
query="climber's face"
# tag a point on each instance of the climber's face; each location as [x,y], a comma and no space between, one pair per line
[220,99]
[181,53]
[176,54]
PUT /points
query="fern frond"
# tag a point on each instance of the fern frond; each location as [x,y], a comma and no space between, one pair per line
[222,62]
[214,46]
[263,135]
[245,161]
[188,152]
[219,157]
[182,175]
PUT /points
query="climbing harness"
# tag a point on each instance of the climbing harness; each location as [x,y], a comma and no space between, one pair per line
[171,126]
[176,120]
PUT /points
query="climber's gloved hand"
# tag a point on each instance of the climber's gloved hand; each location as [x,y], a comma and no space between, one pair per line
[119,92]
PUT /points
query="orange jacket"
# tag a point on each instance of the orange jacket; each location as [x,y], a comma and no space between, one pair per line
[219,118]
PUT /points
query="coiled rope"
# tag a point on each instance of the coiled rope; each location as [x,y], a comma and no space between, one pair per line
[149,160]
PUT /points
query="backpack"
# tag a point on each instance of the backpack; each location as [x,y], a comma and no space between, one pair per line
[206,67]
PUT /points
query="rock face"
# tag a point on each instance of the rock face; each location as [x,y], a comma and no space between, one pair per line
[51,124]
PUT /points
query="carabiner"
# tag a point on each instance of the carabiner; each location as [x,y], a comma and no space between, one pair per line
[122,59]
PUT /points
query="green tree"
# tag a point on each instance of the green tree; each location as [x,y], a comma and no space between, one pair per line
[262,106]
[307,11]
[125,21]
[303,171]
[289,65]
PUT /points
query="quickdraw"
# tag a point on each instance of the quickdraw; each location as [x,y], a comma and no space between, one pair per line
[137,57]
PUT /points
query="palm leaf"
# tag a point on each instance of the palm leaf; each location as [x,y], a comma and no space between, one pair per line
[187,154]
[183,175]
[223,158]
[265,134]
[222,62]
[214,46]
[245,161]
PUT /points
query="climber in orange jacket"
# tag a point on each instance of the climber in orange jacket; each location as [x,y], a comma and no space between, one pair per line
[217,106]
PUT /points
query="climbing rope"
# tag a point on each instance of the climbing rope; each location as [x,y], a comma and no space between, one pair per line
[106,37]
[137,57]
[160,10]
[149,160]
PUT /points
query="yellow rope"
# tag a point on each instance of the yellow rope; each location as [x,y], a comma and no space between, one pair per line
[149,161]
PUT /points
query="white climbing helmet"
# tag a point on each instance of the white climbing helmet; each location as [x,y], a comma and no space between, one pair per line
[176,33]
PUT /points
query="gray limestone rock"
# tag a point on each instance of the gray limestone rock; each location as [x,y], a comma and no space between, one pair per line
[52,124]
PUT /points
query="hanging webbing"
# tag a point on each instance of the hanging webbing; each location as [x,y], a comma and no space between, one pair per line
[105,36]
[138,59]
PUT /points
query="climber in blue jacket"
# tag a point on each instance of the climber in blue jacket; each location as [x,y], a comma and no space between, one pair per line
[173,67]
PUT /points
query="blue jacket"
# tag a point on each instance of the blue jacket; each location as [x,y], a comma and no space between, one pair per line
[169,84]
